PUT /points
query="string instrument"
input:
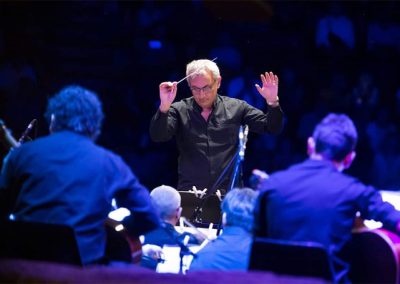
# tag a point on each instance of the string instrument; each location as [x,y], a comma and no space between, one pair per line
[120,245]
[374,255]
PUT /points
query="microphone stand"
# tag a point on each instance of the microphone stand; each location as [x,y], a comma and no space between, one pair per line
[184,248]
[184,251]
[236,178]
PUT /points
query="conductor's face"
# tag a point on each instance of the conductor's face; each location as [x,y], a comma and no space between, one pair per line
[204,89]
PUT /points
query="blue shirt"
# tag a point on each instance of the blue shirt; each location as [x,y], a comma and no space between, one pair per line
[230,251]
[166,234]
[313,201]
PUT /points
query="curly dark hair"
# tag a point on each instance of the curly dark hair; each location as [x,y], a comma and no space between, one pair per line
[76,109]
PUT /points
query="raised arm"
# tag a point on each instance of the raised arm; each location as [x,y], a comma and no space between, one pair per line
[269,89]
[167,95]
[163,124]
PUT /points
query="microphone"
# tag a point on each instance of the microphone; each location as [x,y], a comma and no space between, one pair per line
[9,140]
[28,130]
[243,132]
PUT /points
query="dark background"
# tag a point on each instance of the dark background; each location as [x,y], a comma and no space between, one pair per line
[123,49]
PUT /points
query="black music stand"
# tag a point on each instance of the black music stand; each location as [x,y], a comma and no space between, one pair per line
[236,179]
[210,211]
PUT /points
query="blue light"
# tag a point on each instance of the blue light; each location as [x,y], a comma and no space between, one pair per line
[155,44]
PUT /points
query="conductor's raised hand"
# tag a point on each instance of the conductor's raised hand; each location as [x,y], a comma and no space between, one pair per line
[269,89]
[167,95]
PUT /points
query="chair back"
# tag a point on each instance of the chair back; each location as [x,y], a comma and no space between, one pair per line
[39,241]
[291,258]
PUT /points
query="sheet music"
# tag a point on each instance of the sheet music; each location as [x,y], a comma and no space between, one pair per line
[393,197]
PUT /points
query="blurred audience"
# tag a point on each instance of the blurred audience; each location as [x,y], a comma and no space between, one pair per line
[335,30]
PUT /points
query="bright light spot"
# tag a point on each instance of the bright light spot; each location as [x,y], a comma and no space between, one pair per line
[155,44]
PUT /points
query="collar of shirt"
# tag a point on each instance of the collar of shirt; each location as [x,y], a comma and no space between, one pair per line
[320,163]
[235,230]
[198,108]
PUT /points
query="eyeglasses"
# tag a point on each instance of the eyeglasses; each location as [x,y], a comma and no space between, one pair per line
[205,89]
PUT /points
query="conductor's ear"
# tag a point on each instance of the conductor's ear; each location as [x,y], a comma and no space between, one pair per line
[219,82]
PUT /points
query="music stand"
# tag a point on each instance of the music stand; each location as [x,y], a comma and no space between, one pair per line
[210,210]
[202,206]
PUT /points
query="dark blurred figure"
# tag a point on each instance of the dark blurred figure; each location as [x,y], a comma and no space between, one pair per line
[314,201]
[383,30]
[65,178]
[365,94]
[335,31]
[385,166]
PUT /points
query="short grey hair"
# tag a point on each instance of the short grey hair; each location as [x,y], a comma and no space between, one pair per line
[238,205]
[166,200]
[197,67]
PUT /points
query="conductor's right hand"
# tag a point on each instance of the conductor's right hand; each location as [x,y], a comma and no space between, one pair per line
[167,95]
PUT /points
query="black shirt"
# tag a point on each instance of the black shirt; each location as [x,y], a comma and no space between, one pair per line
[206,147]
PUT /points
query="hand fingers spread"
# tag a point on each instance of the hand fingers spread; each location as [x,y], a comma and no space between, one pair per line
[269,76]
[263,79]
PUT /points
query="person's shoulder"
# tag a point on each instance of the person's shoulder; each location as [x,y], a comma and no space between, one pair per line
[288,169]
[271,182]
[280,176]
[101,153]
[227,99]
[183,103]
[114,163]
[231,102]
[355,183]
[210,248]
[33,145]
[109,153]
